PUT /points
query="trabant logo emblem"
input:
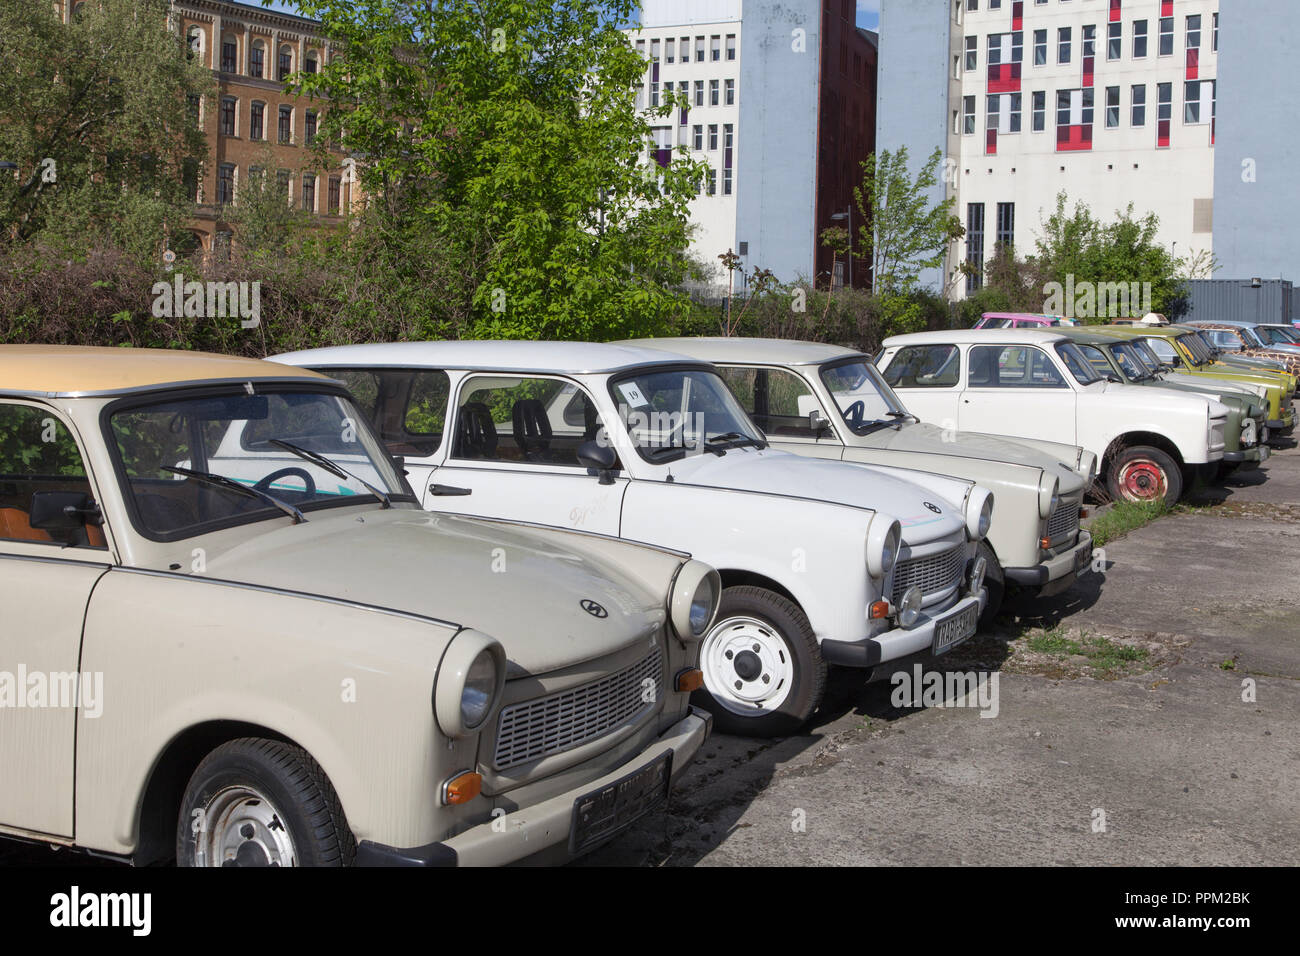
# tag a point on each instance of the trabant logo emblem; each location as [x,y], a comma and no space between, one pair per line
[935,508]
[594,609]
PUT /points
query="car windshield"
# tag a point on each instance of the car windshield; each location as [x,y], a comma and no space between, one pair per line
[190,465]
[669,412]
[1130,363]
[863,397]
[1199,346]
[1250,338]
[1274,336]
[1079,366]
[1097,359]
[1148,356]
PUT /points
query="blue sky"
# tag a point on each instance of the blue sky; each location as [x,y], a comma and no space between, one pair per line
[868,11]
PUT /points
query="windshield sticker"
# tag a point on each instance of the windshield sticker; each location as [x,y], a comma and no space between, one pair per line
[632,394]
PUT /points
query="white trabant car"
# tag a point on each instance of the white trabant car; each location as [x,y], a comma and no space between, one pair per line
[831,402]
[233,637]
[820,561]
[1029,384]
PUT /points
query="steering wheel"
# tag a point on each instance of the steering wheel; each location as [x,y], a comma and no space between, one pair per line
[854,414]
[265,483]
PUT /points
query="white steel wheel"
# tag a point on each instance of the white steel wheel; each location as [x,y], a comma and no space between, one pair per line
[242,827]
[748,666]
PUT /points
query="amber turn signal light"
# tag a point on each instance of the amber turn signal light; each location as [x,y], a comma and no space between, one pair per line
[880,609]
[688,680]
[462,788]
[1045,544]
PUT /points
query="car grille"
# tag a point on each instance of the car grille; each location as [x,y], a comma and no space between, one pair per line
[1064,520]
[938,572]
[550,725]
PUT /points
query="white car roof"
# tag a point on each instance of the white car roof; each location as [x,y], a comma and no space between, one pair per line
[758,351]
[474,355]
[978,336]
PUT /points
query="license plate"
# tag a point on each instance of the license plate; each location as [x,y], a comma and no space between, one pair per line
[1081,560]
[955,629]
[599,815]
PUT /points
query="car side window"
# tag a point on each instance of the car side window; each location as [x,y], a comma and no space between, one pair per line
[924,366]
[1012,366]
[39,456]
[517,419]
[1096,358]
[777,400]
[1164,350]
[407,407]
[1226,340]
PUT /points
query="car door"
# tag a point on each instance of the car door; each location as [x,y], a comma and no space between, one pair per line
[780,401]
[46,579]
[1018,391]
[928,377]
[513,454]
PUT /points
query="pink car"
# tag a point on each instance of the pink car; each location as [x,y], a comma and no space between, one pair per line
[1019,320]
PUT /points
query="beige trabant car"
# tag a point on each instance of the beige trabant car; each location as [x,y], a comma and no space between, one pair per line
[264,652]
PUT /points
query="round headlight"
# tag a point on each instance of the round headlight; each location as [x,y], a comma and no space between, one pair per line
[693,602]
[470,679]
[884,539]
[909,609]
[1049,496]
[979,512]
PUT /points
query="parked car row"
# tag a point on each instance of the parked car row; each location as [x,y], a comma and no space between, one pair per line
[475,602]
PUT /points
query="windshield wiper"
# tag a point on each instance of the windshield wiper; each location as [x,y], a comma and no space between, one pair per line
[717,443]
[338,471]
[221,481]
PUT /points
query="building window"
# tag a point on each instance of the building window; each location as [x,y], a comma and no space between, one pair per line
[715,48]
[309,65]
[1006,233]
[1063,45]
[1194,32]
[654,94]
[282,180]
[699,92]
[286,124]
[229,56]
[286,64]
[1214,37]
[670,47]
[699,49]
[975,245]
[1139,39]
[713,137]
[713,92]
[1040,111]
[711,182]
[698,140]
[227,116]
[310,133]
[729,93]
[1114,40]
[336,187]
[972,54]
[1089,41]
[1164,113]
[309,193]
[1040,48]
[731,45]
[1139,94]
[967,115]
[1166,36]
[225,184]
[1192,103]
[256,59]
[726,182]
[195,104]
[256,113]
[1112,107]
[195,37]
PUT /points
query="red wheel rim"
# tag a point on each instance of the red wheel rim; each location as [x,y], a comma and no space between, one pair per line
[1143,480]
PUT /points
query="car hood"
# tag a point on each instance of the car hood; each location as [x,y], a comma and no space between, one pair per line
[900,493]
[1141,397]
[521,585]
[924,438]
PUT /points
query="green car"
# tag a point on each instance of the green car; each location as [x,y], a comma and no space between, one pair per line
[1183,352]
[1123,359]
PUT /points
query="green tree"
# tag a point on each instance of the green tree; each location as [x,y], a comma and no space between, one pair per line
[265,222]
[904,231]
[96,116]
[507,132]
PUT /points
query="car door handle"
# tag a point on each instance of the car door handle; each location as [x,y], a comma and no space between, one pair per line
[450,490]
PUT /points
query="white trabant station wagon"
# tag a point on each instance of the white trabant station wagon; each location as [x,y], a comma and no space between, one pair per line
[820,561]
[1029,384]
[232,636]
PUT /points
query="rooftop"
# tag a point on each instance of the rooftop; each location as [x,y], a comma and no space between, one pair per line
[1046,336]
[721,349]
[574,358]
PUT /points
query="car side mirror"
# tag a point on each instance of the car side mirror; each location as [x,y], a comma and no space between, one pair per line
[818,423]
[63,511]
[599,457]
[1112,377]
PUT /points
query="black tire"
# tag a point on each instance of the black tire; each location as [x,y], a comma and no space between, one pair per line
[1149,469]
[808,683]
[995,582]
[294,786]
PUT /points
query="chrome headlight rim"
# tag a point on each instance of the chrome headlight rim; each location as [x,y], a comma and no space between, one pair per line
[472,668]
[884,542]
[1049,495]
[693,600]
[909,607]
[979,513]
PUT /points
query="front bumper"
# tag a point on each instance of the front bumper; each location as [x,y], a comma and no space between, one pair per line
[1055,574]
[544,827]
[900,642]
[1250,457]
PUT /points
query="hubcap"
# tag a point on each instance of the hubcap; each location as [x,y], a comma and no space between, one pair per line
[748,666]
[1143,480]
[240,827]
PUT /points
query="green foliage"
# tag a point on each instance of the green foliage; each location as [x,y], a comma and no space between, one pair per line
[95,115]
[503,136]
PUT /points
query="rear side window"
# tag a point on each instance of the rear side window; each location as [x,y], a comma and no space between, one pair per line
[407,407]
[1012,366]
[541,420]
[777,400]
[38,454]
[924,366]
